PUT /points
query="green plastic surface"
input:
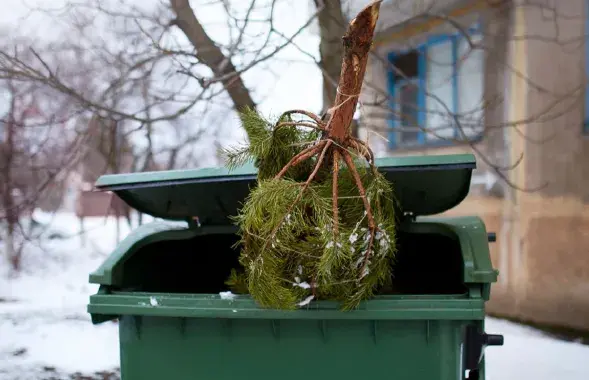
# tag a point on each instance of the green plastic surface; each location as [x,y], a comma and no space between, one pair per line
[154,348]
[424,185]
[392,307]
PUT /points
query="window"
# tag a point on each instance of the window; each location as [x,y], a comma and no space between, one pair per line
[406,97]
[406,101]
[434,85]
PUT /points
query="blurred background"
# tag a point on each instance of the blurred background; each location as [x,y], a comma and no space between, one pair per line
[90,87]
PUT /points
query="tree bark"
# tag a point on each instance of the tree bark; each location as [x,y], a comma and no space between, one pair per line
[332,26]
[357,42]
[211,55]
[8,202]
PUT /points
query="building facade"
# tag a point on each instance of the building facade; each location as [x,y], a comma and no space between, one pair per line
[505,80]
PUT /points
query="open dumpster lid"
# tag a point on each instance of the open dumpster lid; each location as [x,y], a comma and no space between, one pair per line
[423,185]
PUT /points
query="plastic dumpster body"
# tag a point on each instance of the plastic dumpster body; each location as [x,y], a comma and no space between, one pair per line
[165,284]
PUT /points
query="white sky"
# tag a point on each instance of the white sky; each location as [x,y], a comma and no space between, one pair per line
[298,85]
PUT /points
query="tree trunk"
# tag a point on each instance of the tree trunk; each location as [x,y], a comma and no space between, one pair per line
[11,251]
[332,26]
[357,42]
[211,55]
[8,202]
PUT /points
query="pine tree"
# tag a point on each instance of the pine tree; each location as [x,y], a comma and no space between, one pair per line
[320,224]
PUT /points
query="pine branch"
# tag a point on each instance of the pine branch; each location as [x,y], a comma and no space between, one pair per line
[321,223]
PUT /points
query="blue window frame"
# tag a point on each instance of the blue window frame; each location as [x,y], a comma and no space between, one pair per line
[404,133]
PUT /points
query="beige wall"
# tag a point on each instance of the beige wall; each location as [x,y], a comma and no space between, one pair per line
[542,250]
[544,272]
[553,236]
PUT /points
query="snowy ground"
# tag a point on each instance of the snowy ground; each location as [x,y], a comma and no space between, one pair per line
[44,328]
[45,332]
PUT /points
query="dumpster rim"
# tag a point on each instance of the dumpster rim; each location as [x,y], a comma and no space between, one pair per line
[390,307]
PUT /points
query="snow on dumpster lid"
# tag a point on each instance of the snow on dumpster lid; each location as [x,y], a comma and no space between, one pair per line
[423,185]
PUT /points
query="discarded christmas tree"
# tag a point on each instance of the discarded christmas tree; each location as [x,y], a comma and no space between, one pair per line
[320,224]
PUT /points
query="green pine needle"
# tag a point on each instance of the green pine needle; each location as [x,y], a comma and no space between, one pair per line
[289,251]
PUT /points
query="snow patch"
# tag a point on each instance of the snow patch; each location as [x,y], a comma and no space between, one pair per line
[306,301]
[153,301]
[300,284]
[48,325]
[303,285]
[353,238]
[227,296]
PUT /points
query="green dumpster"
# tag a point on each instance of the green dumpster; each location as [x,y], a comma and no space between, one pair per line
[165,283]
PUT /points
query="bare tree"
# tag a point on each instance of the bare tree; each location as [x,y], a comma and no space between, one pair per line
[332,26]
[185,59]
[39,145]
[143,75]
[156,67]
[163,66]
